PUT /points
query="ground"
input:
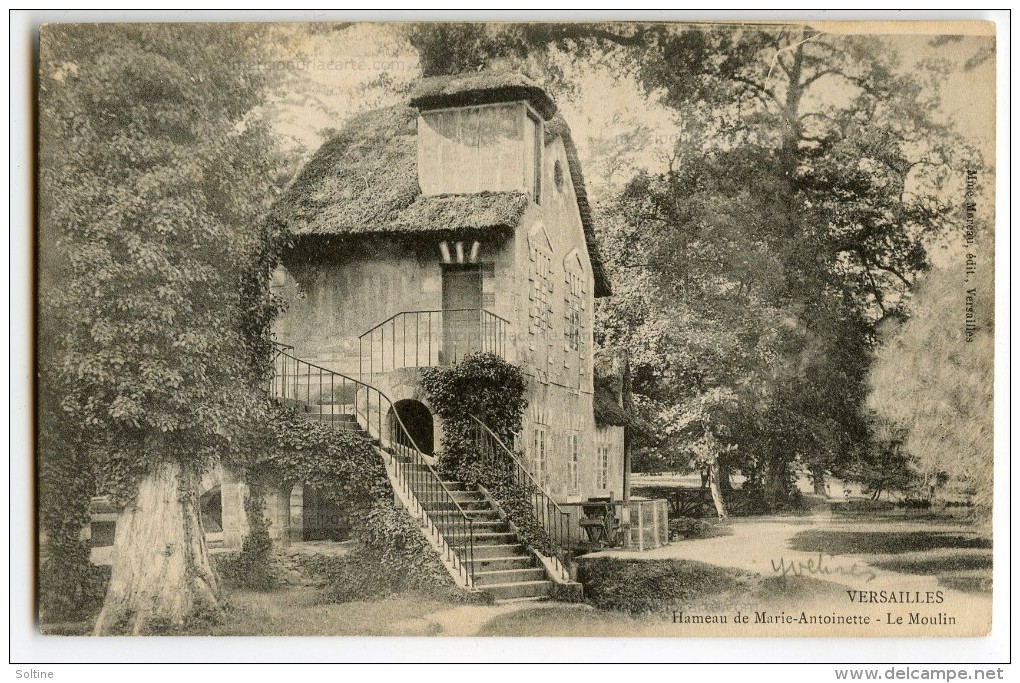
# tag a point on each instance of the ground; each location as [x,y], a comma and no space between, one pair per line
[806,562]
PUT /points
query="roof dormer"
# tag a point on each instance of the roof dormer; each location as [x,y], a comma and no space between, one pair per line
[481,132]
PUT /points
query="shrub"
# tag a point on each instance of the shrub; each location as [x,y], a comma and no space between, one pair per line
[486,386]
[638,586]
[251,568]
[689,527]
[392,556]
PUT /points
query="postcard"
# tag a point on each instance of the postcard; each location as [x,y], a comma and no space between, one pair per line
[622,328]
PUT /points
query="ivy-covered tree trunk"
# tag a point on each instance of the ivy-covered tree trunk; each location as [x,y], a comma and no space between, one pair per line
[162,578]
[714,478]
[818,480]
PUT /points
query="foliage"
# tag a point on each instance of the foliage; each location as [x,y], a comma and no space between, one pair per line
[933,378]
[69,587]
[651,586]
[886,465]
[692,528]
[787,223]
[252,567]
[486,386]
[152,173]
[341,466]
[344,468]
[393,557]
[153,263]
[482,384]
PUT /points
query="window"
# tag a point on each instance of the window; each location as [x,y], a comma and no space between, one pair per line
[573,462]
[533,160]
[574,298]
[538,455]
[602,478]
[541,291]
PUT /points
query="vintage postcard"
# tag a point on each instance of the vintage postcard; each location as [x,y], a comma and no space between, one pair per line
[675,329]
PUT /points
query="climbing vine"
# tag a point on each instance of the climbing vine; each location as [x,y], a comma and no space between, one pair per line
[344,468]
[488,387]
[484,385]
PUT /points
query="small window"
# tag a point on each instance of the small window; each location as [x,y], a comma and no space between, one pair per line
[602,480]
[558,175]
[538,455]
[533,161]
[573,463]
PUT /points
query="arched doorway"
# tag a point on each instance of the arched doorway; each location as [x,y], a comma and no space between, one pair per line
[210,505]
[417,419]
[313,517]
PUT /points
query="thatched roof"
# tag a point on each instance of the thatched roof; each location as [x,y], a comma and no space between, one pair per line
[365,179]
[558,127]
[483,87]
[607,411]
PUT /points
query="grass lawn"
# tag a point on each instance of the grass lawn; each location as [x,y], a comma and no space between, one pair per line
[962,560]
[302,612]
[638,598]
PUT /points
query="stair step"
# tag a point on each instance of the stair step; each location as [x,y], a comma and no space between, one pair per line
[523,589]
[482,515]
[505,576]
[467,496]
[469,506]
[327,416]
[458,486]
[492,538]
[477,526]
[498,551]
[492,564]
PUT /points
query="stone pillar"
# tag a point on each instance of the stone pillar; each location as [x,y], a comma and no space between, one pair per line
[296,506]
[233,494]
[278,513]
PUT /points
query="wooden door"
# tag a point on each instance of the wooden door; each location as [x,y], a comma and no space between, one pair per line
[462,308]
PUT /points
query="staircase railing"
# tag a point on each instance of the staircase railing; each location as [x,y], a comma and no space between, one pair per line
[495,456]
[430,338]
[332,397]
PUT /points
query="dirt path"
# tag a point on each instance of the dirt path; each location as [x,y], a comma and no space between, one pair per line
[763,545]
[468,620]
[758,545]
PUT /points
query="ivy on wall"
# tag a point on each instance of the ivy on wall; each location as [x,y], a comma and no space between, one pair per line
[344,468]
[488,387]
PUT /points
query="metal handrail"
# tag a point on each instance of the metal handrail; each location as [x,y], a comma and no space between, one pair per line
[415,475]
[554,520]
[421,339]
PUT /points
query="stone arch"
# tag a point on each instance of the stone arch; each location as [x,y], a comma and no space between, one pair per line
[313,517]
[417,419]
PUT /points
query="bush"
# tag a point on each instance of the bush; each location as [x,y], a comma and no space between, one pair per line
[86,581]
[251,568]
[690,528]
[863,506]
[638,586]
[392,556]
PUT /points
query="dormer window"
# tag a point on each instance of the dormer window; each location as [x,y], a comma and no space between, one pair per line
[494,147]
[533,144]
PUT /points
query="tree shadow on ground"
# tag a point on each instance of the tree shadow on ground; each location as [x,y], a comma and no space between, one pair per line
[882,542]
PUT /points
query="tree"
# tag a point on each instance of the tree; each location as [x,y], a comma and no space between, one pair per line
[934,375]
[154,271]
[808,181]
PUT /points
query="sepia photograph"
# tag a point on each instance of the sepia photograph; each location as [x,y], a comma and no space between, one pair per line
[647,329]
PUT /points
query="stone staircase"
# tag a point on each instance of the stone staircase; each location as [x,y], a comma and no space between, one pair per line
[502,565]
